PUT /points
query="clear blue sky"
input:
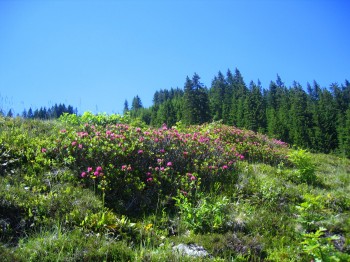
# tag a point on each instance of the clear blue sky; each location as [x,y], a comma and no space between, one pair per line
[95,54]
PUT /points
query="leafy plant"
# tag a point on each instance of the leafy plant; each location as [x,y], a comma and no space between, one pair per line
[305,172]
[321,248]
[205,215]
[311,212]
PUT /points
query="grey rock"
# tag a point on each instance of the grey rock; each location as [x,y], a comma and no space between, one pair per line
[191,250]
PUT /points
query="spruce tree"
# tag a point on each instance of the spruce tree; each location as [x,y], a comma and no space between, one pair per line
[9,113]
[227,103]
[254,109]
[30,113]
[239,92]
[136,103]
[188,115]
[216,97]
[126,107]
[278,106]
[196,102]
[24,114]
[299,116]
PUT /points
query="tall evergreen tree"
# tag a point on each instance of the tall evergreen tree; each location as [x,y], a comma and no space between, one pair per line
[239,92]
[227,103]
[126,107]
[30,113]
[254,109]
[9,113]
[299,116]
[196,102]
[324,117]
[277,110]
[217,94]
[314,91]
[24,114]
[329,111]
[136,103]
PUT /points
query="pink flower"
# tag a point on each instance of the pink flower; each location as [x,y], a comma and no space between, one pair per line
[74,143]
[241,157]
[224,167]
[43,150]
[185,153]
[83,174]
[89,169]
[80,146]
[162,169]
[193,178]
[99,169]
[162,151]
[63,130]
[129,168]
[96,173]
[124,167]
[159,160]
[149,179]
[169,164]
[140,151]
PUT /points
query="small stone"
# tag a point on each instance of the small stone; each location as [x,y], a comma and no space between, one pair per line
[191,250]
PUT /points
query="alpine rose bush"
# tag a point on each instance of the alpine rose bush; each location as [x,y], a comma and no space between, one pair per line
[135,167]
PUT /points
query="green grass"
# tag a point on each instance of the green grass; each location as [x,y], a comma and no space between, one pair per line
[263,212]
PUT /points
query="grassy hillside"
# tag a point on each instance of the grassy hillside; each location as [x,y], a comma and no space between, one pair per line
[100,188]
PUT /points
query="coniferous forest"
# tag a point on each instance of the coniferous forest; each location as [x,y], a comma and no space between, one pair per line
[312,117]
[44,113]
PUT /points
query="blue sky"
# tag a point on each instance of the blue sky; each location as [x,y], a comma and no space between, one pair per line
[95,54]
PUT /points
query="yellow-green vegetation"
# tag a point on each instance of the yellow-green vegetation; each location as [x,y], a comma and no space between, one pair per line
[104,188]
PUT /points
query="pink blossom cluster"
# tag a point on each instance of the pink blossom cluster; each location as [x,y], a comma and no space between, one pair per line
[94,173]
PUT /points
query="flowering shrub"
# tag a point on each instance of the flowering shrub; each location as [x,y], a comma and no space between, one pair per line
[138,167]
[253,146]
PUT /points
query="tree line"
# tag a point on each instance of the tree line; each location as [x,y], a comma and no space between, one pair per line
[43,113]
[314,117]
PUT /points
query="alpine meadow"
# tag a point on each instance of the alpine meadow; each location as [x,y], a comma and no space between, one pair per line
[174,131]
[226,173]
